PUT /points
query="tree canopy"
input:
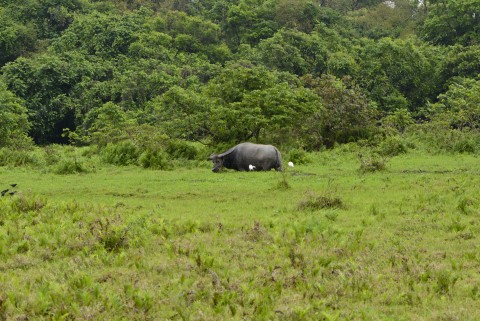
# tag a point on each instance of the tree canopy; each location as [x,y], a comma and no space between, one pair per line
[310,73]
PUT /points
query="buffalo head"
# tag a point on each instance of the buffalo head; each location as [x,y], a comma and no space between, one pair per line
[217,162]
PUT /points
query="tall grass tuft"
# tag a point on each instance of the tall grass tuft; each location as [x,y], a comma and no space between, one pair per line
[154,159]
[69,166]
[122,154]
[283,183]
[16,158]
[22,204]
[445,281]
[372,162]
[392,146]
[110,233]
[313,202]
[464,204]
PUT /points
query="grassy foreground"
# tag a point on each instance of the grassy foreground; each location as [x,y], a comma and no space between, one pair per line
[134,244]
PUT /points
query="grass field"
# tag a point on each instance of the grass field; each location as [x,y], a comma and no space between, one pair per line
[123,243]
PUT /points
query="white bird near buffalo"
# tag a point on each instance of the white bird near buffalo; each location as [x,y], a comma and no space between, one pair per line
[290,164]
[251,167]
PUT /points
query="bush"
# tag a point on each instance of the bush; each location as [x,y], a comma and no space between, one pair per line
[13,157]
[372,163]
[438,138]
[124,153]
[111,234]
[298,156]
[67,166]
[468,145]
[51,154]
[181,149]
[392,146]
[154,159]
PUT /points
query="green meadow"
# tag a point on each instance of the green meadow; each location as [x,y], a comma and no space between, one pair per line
[321,241]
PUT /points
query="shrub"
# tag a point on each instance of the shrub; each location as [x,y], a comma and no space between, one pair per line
[51,154]
[392,146]
[13,157]
[67,166]
[298,156]
[397,121]
[181,149]
[372,163]
[123,153]
[154,159]
[468,145]
[111,234]
[437,136]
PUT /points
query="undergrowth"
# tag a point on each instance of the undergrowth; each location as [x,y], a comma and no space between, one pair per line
[193,245]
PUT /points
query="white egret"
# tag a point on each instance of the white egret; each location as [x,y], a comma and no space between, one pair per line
[290,164]
[251,167]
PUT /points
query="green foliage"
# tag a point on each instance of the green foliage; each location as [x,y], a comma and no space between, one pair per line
[392,146]
[452,22]
[298,156]
[372,162]
[398,74]
[13,120]
[445,282]
[183,114]
[18,157]
[179,149]
[154,159]
[347,114]
[277,53]
[241,103]
[460,61]
[25,204]
[460,104]
[439,137]
[43,84]
[277,112]
[383,20]
[123,153]
[111,234]
[101,34]
[100,245]
[68,166]
[314,202]
[52,154]
[397,121]
[454,120]
[107,124]
[223,72]
[15,39]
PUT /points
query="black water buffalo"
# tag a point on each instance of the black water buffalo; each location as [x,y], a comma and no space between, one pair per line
[241,156]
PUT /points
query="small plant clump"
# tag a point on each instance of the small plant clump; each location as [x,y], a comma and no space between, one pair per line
[372,163]
[24,204]
[68,166]
[283,183]
[313,202]
[110,233]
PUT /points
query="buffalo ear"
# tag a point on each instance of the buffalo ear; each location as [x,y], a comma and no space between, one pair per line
[212,157]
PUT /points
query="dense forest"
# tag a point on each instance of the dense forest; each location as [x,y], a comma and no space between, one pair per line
[165,75]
